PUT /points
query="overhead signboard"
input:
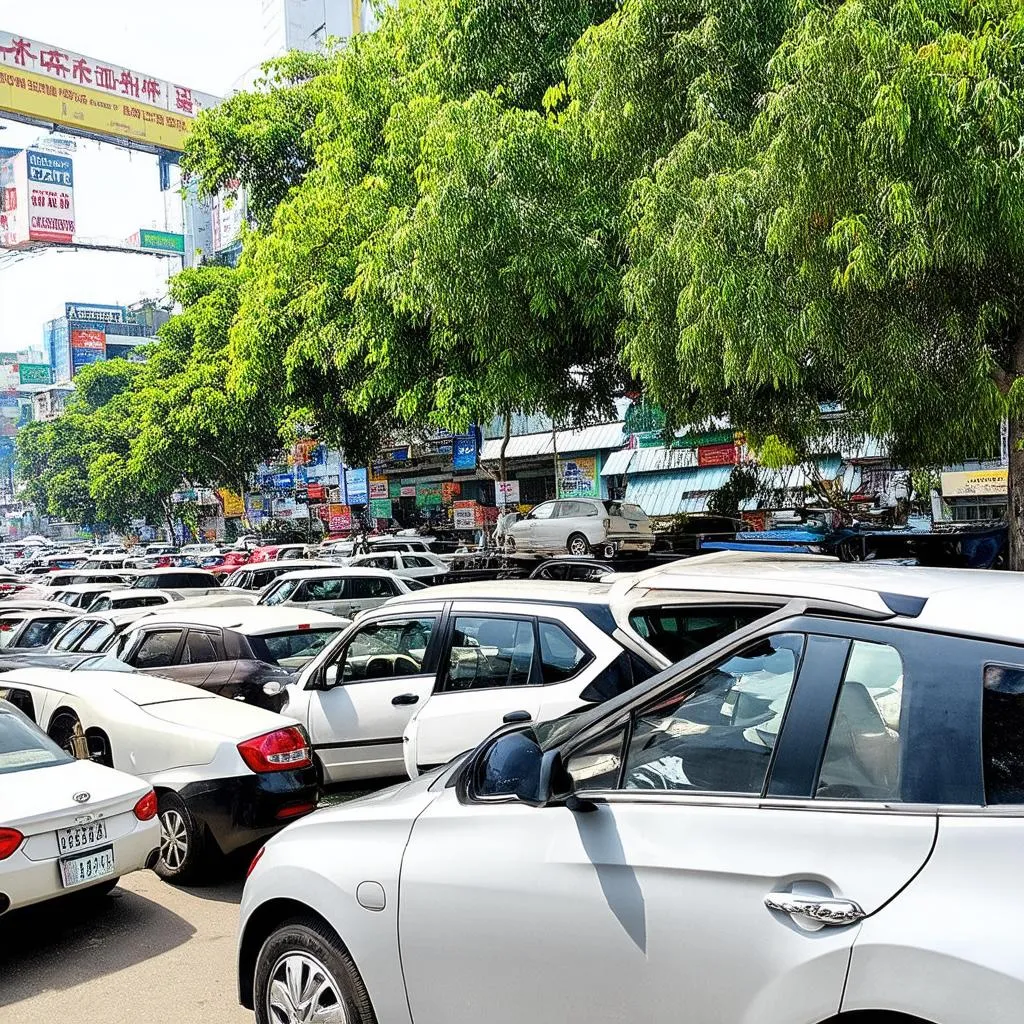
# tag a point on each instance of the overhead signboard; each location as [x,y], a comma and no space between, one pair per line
[51,85]
[34,373]
[94,313]
[152,240]
[976,484]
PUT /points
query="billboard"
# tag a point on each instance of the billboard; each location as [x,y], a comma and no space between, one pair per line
[153,240]
[95,313]
[51,197]
[50,85]
[579,476]
[13,191]
[357,486]
[34,373]
[980,483]
[87,347]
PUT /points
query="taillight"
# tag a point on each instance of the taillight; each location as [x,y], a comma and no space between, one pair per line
[290,811]
[145,809]
[10,840]
[259,856]
[278,751]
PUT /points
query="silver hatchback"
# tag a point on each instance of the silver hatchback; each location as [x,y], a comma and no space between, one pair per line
[582,526]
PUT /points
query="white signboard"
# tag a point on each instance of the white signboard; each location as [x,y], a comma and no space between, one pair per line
[507,492]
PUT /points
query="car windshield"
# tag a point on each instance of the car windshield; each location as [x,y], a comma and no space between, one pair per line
[280,592]
[624,510]
[23,746]
[294,648]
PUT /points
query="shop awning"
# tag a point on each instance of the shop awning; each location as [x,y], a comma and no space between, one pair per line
[664,494]
[602,437]
[617,463]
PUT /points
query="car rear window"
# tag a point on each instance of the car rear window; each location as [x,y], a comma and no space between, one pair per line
[23,746]
[292,649]
[625,510]
[680,632]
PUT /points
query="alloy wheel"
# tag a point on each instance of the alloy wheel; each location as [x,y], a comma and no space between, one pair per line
[173,840]
[303,991]
[578,546]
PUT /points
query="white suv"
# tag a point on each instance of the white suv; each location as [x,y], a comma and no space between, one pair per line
[816,819]
[582,526]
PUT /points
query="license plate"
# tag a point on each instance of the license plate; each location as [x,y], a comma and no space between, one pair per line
[90,867]
[81,837]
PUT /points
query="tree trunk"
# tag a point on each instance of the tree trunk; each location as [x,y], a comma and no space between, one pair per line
[554,446]
[502,467]
[1015,495]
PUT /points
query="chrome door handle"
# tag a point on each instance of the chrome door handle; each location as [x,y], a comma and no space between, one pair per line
[823,910]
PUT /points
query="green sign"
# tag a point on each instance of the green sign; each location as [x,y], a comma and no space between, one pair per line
[34,373]
[380,508]
[395,488]
[700,440]
[428,495]
[151,240]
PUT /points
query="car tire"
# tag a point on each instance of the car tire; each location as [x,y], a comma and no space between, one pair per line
[307,947]
[67,732]
[510,545]
[577,545]
[182,841]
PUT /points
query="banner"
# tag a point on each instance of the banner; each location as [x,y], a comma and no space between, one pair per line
[976,484]
[579,477]
[234,507]
[450,490]
[34,373]
[87,347]
[408,491]
[507,492]
[465,515]
[717,455]
[340,520]
[357,486]
[428,495]
[464,452]
[380,508]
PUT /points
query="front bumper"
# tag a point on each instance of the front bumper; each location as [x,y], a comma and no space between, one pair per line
[26,880]
[246,809]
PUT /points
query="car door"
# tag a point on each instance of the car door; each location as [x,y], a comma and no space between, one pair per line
[701,879]
[546,533]
[365,592]
[364,696]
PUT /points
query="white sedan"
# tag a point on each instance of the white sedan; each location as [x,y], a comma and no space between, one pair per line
[66,825]
[227,775]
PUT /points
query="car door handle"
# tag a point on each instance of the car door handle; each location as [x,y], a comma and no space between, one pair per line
[823,910]
[404,699]
[516,717]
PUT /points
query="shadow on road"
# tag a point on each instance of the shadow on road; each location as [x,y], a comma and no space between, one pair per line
[72,941]
[226,889]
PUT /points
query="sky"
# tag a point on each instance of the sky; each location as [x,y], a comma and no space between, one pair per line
[205,44]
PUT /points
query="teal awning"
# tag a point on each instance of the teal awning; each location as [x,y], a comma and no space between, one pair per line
[668,494]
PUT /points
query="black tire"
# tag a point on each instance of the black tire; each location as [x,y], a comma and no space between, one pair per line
[183,843]
[316,949]
[577,545]
[510,545]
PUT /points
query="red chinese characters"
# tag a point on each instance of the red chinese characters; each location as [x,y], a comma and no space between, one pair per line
[129,84]
[20,50]
[151,91]
[105,78]
[55,62]
[81,72]
[183,99]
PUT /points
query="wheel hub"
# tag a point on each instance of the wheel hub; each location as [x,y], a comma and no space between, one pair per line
[173,840]
[303,991]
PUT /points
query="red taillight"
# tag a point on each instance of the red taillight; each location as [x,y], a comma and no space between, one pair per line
[10,840]
[259,856]
[163,562]
[145,809]
[290,811]
[278,751]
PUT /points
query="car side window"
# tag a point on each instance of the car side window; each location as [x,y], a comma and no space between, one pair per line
[200,648]
[544,511]
[40,633]
[323,590]
[680,632]
[383,650]
[561,657]
[416,562]
[366,588]
[157,649]
[1002,734]
[487,653]
[281,592]
[862,756]
[378,562]
[719,734]
[99,637]
[67,640]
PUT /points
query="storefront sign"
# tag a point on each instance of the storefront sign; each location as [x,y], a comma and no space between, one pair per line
[95,313]
[234,507]
[699,440]
[579,477]
[284,481]
[315,492]
[717,455]
[979,483]
[151,240]
[407,490]
[450,490]
[507,492]
[340,520]
[465,515]
[357,486]
[379,490]
[428,495]
[34,373]
[380,508]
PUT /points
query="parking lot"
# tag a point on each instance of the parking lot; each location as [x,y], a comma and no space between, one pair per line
[149,952]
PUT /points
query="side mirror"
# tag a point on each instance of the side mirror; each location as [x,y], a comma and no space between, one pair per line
[330,677]
[272,689]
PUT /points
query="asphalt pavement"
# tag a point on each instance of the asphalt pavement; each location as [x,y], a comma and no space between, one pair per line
[148,952]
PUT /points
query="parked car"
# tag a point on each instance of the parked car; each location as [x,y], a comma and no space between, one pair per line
[123,600]
[68,826]
[226,775]
[106,561]
[580,526]
[225,564]
[421,565]
[248,654]
[81,639]
[397,542]
[31,629]
[181,581]
[340,591]
[199,550]
[808,798]
[256,577]
[45,586]
[337,549]
[82,595]
[279,553]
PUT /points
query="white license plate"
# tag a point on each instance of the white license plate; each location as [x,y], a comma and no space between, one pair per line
[81,837]
[90,867]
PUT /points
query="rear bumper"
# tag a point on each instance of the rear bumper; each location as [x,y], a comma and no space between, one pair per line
[246,809]
[630,542]
[24,882]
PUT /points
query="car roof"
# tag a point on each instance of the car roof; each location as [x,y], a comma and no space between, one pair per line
[299,563]
[42,613]
[174,569]
[247,619]
[978,601]
[133,686]
[330,574]
[548,591]
[91,588]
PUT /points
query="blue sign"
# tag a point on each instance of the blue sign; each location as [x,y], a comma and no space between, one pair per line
[284,481]
[85,357]
[464,456]
[357,486]
[9,400]
[48,169]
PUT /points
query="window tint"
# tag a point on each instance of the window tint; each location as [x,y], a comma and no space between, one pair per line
[294,649]
[378,562]
[560,656]
[679,632]
[103,604]
[718,738]
[382,650]
[189,581]
[41,632]
[101,635]
[199,648]
[625,511]
[576,509]
[157,650]
[862,758]
[488,653]
[1002,734]
[67,640]
[361,588]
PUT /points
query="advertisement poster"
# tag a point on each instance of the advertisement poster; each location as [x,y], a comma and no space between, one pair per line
[450,490]
[408,491]
[357,486]
[234,507]
[465,515]
[379,490]
[579,476]
[87,347]
[380,508]
[507,492]
[464,451]
[340,520]
[315,492]
[51,197]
